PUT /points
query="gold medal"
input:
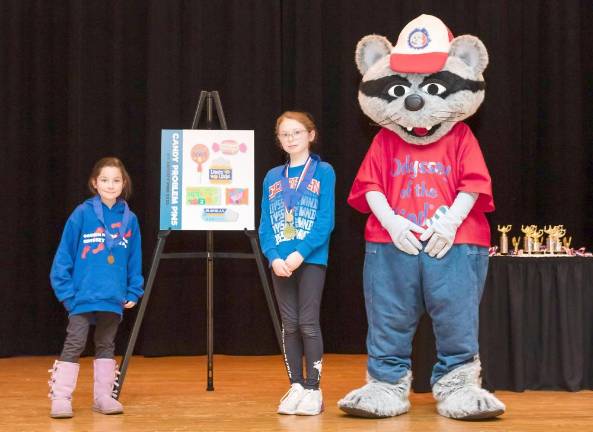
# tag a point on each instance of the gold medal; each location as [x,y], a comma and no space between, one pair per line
[289,230]
[110,259]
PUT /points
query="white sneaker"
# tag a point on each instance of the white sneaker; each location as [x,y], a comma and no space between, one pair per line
[311,403]
[290,401]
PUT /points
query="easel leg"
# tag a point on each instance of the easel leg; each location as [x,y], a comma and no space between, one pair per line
[210,309]
[199,108]
[219,111]
[208,98]
[156,257]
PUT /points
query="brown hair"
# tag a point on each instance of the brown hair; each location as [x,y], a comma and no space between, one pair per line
[111,162]
[303,118]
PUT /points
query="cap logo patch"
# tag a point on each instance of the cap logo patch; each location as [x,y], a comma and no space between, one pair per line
[418,38]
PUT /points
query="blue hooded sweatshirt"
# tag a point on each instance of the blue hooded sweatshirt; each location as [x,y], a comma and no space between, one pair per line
[81,275]
[313,215]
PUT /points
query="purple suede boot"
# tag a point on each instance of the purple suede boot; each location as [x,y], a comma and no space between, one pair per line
[61,385]
[105,379]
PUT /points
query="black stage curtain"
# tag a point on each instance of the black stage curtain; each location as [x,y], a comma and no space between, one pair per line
[81,80]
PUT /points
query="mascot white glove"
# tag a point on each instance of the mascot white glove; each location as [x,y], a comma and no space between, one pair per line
[443,226]
[399,228]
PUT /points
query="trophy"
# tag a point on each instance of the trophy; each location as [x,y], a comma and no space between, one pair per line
[566,243]
[559,235]
[504,239]
[551,240]
[537,235]
[527,239]
[516,243]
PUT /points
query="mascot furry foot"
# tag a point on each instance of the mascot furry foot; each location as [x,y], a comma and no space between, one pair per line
[460,395]
[378,399]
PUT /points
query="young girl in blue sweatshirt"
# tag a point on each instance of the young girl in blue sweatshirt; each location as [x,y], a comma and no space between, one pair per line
[96,273]
[297,218]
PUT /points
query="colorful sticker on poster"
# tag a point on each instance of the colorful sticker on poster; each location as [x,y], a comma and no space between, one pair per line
[203,196]
[205,179]
[220,172]
[237,196]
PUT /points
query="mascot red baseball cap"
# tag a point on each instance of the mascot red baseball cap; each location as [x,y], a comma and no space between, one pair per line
[422,46]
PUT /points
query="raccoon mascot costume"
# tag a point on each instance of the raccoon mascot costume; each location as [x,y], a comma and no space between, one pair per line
[426,186]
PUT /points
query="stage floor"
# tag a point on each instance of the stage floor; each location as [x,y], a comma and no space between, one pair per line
[168,394]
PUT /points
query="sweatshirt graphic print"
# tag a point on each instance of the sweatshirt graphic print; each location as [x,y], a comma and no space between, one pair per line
[313,215]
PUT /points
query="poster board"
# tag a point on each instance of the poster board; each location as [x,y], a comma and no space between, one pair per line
[207,180]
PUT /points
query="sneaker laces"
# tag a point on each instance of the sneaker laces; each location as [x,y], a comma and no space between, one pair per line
[312,400]
[293,389]
[309,393]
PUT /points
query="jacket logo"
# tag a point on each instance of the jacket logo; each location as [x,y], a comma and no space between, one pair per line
[276,188]
[98,236]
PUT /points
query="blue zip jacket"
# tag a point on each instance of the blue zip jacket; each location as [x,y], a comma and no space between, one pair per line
[81,276]
[313,215]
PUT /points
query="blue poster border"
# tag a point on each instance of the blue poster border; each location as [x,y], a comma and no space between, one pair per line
[171,179]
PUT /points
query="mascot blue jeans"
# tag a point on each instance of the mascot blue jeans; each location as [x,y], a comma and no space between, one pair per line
[399,288]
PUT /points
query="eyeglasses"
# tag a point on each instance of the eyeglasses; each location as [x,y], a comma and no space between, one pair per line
[293,134]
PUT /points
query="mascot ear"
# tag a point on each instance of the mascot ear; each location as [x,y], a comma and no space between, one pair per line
[369,50]
[471,51]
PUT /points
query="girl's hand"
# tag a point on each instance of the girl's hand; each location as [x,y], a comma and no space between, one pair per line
[280,268]
[294,260]
[129,305]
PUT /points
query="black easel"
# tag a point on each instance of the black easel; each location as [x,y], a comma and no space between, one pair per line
[205,98]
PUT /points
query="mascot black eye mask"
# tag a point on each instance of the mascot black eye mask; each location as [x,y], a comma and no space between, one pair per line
[426,187]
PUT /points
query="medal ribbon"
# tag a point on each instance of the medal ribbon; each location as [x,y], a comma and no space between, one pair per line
[292,196]
[110,241]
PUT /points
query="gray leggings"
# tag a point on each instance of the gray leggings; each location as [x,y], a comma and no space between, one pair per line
[106,324]
[299,301]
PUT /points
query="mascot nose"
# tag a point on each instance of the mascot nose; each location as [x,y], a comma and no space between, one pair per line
[414,102]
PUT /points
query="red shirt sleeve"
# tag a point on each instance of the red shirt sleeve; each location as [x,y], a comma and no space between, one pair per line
[473,173]
[368,178]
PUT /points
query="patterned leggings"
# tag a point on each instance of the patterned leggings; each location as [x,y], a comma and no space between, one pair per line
[299,301]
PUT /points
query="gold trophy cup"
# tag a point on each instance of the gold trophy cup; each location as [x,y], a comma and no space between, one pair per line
[559,238]
[537,235]
[504,239]
[527,238]
[551,240]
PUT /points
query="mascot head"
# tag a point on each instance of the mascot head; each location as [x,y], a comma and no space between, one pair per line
[423,85]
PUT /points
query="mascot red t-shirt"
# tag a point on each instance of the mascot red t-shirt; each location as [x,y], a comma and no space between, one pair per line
[418,179]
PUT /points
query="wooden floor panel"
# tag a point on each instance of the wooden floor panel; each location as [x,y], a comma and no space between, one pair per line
[168,394]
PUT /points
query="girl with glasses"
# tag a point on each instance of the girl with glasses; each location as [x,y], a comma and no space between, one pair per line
[297,219]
